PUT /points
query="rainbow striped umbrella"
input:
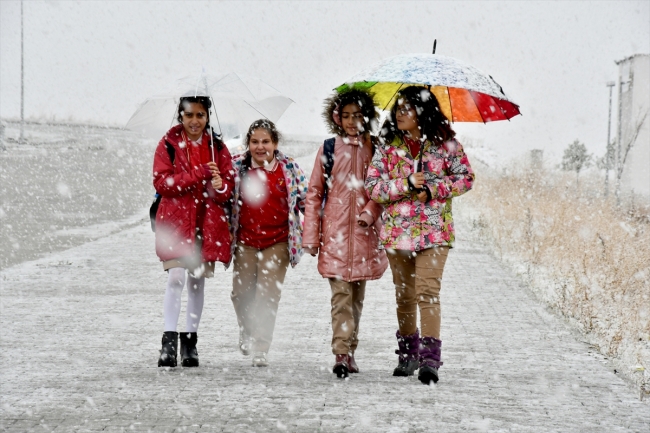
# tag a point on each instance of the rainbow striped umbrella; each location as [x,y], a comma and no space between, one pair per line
[464,93]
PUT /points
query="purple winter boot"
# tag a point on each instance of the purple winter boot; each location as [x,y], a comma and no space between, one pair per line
[408,354]
[429,360]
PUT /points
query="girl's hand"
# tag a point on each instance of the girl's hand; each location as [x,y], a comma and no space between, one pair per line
[217,183]
[417,180]
[313,251]
[214,169]
[365,219]
[422,196]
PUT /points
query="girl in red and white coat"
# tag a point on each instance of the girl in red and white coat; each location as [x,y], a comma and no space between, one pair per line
[192,172]
[269,196]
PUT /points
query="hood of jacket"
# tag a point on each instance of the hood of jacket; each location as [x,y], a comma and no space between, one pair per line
[332,104]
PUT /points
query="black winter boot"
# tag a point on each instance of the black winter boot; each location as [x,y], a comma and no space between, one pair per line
[168,351]
[409,356]
[189,354]
[430,349]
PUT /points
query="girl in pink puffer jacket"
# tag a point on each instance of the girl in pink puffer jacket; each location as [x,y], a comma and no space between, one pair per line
[345,231]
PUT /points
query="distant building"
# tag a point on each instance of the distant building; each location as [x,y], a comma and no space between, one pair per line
[634,103]
[537,159]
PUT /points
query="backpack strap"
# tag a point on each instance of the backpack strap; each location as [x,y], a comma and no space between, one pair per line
[170,151]
[328,165]
[153,210]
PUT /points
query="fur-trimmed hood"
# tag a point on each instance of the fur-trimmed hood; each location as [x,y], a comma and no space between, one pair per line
[333,104]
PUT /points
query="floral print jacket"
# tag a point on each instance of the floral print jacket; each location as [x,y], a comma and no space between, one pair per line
[297,191]
[408,223]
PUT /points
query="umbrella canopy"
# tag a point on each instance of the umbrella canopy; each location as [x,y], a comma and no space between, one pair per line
[237,101]
[464,93]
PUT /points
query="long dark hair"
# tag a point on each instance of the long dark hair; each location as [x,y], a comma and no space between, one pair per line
[433,124]
[203,100]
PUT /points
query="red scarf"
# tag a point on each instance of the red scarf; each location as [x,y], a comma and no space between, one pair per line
[413,145]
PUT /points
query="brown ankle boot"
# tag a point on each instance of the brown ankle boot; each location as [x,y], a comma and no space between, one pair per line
[341,366]
[352,364]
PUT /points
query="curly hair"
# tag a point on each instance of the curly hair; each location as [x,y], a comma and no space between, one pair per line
[266,125]
[335,103]
[433,124]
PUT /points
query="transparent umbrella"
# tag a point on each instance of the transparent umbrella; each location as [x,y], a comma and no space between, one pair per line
[237,101]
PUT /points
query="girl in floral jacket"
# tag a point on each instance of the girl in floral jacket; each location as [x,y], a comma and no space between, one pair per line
[415,174]
[269,195]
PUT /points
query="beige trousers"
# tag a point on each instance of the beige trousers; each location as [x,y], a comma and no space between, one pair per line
[417,278]
[257,279]
[347,304]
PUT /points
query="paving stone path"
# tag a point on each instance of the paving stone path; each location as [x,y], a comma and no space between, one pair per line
[81,330]
[81,327]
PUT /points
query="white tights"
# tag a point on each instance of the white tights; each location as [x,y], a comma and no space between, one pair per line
[172,304]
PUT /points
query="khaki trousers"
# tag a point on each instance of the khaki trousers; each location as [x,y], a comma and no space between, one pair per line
[257,279]
[347,304]
[417,278]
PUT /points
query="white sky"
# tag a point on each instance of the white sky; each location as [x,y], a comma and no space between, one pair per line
[96,61]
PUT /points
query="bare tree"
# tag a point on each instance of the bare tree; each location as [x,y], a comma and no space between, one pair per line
[624,150]
[575,158]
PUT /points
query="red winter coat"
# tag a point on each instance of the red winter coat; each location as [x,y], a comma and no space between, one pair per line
[183,190]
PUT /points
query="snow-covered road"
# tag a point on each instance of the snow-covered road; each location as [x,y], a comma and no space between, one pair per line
[81,331]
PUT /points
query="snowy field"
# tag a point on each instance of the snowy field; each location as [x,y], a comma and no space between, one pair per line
[70,184]
[81,315]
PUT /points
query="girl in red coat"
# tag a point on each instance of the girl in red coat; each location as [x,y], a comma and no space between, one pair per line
[192,171]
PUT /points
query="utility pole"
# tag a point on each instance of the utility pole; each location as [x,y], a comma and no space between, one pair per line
[22,78]
[610,149]
[619,132]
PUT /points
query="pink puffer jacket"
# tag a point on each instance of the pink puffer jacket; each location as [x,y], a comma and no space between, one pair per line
[347,250]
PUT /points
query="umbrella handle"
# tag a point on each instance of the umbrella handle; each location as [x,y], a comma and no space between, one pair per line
[419,168]
[418,161]
[212,144]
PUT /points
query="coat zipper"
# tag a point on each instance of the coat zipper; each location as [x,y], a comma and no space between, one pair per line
[352,214]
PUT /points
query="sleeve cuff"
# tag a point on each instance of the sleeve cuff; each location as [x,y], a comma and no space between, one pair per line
[310,250]
[428,191]
[366,217]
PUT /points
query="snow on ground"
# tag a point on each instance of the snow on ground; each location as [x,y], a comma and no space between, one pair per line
[82,328]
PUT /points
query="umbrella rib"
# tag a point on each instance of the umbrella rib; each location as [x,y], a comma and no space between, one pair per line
[471,93]
[396,92]
[262,114]
[250,92]
[172,122]
[451,106]
[502,111]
